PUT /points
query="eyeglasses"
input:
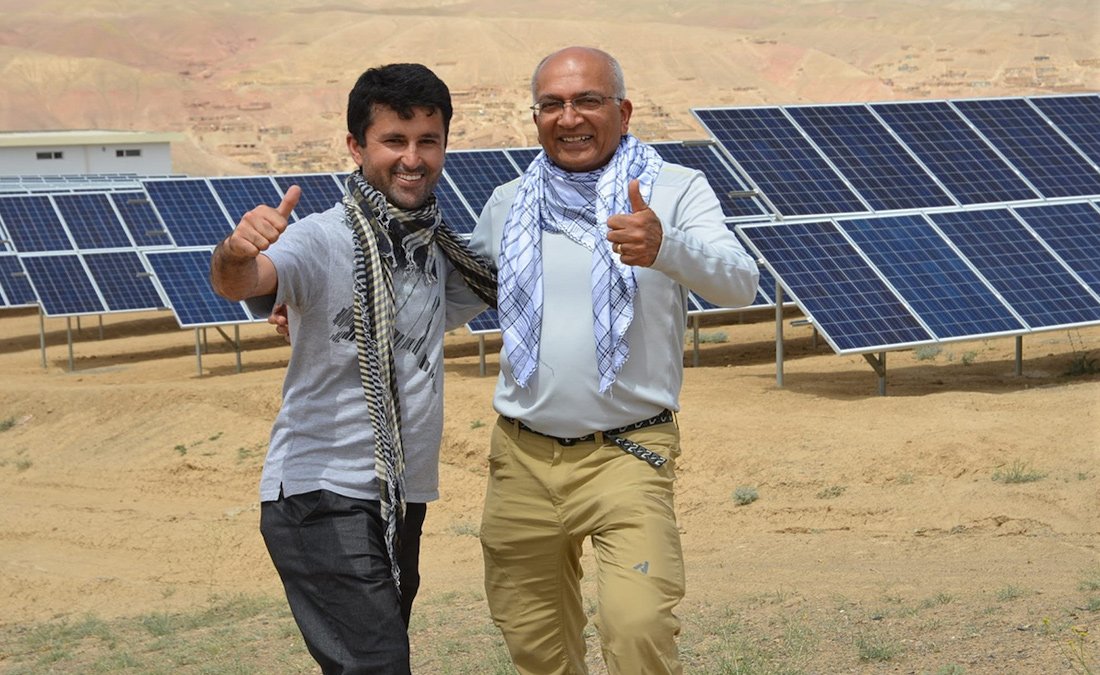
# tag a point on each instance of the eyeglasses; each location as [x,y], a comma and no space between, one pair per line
[589,103]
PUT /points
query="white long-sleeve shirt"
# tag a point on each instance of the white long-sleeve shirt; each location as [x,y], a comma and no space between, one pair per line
[698,252]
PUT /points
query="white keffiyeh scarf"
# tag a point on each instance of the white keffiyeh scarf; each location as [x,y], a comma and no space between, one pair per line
[578,206]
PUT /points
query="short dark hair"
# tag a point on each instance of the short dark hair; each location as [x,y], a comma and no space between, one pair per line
[400,87]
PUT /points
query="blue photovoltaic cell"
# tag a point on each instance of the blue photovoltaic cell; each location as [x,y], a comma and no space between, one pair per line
[1030,280]
[123,281]
[765,290]
[721,177]
[956,155]
[455,213]
[240,195]
[92,221]
[14,281]
[140,219]
[931,277]
[1078,117]
[63,285]
[32,224]
[523,156]
[189,211]
[1073,232]
[184,275]
[782,163]
[848,303]
[476,173]
[1050,163]
[320,192]
[872,160]
[486,322]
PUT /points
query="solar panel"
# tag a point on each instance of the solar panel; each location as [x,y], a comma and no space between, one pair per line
[62,285]
[872,160]
[455,212]
[184,276]
[964,163]
[15,284]
[123,280]
[765,290]
[773,154]
[1073,232]
[239,195]
[32,224]
[844,297]
[92,221]
[140,219]
[476,173]
[1078,117]
[1032,281]
[938,285]
[722,179]
[486,322]
[320,192]
[523,156]
[1045,158]
[189,211]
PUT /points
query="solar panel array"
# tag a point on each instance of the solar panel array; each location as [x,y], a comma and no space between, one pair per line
[811,160]
[96,251]
[849,205]
[889,281]
[978,217]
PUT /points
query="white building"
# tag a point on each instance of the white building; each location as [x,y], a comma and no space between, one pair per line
[37,153]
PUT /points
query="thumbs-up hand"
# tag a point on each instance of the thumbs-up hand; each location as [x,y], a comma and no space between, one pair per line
[262,226]
[635,236]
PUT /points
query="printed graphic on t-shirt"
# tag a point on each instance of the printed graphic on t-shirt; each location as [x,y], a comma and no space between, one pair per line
[415,323]
[343,328]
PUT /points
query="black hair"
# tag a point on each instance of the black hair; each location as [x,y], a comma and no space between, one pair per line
[400,87]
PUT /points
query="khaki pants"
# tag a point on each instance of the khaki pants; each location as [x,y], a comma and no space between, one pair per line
[543,500]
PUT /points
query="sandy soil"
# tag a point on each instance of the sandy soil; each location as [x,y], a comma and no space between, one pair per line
[129,483]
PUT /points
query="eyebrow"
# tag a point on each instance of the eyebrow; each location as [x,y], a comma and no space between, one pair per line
[587,92]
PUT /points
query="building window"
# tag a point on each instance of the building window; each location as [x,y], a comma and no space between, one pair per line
[129,152]
[50,154]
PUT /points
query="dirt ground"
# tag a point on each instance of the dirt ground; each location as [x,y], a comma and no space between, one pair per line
[130,483]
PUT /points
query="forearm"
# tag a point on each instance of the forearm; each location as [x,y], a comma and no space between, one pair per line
[233,277]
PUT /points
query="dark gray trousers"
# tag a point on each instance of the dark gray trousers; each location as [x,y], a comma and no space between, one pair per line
[330,553]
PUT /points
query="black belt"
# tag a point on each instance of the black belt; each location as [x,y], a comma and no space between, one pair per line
[639,451]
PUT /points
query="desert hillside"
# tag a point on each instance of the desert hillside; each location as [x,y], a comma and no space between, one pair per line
[261,87]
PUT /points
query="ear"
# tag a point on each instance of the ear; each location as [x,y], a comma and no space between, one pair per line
[355,150]
[625,108]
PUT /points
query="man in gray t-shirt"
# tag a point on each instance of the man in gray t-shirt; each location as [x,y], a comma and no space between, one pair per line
[370,287]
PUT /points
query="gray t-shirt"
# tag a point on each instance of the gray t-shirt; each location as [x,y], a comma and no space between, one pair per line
[322,437]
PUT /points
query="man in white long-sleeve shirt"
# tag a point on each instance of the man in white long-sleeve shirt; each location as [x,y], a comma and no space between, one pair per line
[597,244]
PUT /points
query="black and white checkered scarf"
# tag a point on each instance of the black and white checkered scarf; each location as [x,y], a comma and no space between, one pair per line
[386,236]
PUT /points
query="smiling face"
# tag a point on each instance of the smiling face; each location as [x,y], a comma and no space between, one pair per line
[401,158]
[580,141]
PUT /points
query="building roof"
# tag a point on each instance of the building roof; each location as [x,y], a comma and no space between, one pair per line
[19,139]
